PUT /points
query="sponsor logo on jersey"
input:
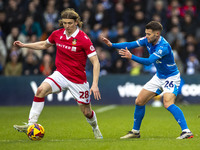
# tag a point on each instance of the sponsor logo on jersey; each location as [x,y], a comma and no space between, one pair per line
[74,41]
[158,62]
[63,46]
[92,48]
[73,49]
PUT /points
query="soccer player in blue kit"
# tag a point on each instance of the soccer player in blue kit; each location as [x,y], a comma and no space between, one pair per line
[166,80]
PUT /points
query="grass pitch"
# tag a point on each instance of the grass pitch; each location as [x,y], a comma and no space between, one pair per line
[67,129]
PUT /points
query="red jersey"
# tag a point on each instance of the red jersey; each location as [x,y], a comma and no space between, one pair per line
[72,53]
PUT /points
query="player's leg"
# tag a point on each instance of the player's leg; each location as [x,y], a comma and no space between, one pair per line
[170,90]
[50,85]
[91,119]
[37,106]
[143,97]
[168,101]
[82,96]
[38,102]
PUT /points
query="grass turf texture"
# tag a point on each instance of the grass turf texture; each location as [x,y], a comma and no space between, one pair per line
[67,129]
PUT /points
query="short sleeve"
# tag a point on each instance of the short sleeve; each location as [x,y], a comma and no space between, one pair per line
[142,41]
[88,47]
[51,38]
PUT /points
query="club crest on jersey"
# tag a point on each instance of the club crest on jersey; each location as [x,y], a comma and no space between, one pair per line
[92,48]
[74,41]
[160,51]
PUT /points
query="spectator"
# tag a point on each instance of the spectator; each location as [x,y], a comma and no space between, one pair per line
[35,11]
[120,14]
[14,14]
[13,67]
[189,25]
[192,65]
[118,67]
[31,27]
[178,61]
[135,68]
[46,68]
[173,9]
[139,20]
[38,53]
[30,66]
[88,5]
[51,15]
[14,35]
[173,21]
[88,19]
[135,33]
[47,32]
[104,59]
[159,9]
[3,54]
[4,30]
[175,35]
[188,7]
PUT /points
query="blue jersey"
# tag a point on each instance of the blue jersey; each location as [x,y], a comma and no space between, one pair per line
[161,55]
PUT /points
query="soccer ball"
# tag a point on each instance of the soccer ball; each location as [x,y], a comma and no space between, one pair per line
[35,132]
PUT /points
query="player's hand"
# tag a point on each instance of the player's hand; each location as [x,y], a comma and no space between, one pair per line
[105,40]
[96,92]
[125,53]
[18,44]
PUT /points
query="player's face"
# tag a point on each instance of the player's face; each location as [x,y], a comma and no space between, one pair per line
[152,36]
[70,25]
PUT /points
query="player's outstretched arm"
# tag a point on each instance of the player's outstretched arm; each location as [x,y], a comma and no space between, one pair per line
[36,45]
[96,69]
[105,40]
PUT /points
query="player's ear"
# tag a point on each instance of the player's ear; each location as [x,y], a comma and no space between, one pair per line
[157,33]
[76,23]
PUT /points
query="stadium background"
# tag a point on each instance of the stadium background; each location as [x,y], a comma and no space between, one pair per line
[120,21]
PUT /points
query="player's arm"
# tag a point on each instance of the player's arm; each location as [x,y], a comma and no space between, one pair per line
[36,45]
[125,53]
[96,69]
[123,45]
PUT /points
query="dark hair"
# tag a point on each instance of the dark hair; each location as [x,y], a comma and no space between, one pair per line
[155,26]
[70,13]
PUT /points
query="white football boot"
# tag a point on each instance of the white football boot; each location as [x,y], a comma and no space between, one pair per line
[97,133]
[21,128]
[185,135]
[131,134]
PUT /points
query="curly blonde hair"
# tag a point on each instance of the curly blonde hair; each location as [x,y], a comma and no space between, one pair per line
[70,13]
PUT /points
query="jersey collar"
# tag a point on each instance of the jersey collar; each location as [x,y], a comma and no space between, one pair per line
[73,35]
[158,41]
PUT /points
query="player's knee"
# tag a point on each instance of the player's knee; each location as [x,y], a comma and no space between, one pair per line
[40,92]
[87,113]
[167,104]
[139,102]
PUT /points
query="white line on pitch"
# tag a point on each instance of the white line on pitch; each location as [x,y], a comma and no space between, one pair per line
[106,108]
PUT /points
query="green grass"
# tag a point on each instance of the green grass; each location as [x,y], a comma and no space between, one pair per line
[67,129]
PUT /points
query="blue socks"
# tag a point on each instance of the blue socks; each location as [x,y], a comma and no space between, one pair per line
[175,110]
[138,116]
[178,115]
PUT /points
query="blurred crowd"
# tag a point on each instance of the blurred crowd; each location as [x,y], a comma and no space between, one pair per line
[118,20]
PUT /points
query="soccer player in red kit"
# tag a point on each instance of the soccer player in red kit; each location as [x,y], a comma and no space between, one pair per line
[73,48]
